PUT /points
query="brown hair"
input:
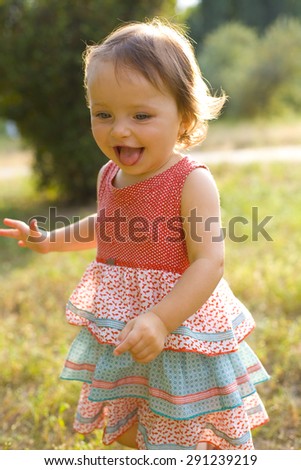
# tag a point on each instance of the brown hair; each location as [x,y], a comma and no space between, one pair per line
[163,54]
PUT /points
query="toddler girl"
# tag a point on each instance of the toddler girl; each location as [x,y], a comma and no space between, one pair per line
[161,349]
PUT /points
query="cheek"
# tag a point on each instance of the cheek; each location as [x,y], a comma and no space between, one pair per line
[98,133]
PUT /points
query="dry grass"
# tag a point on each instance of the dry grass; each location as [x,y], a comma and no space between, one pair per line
[225,135]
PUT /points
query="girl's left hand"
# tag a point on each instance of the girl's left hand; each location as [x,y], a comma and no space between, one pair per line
[143,337]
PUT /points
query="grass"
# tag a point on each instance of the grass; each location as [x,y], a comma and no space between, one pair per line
[227,135]
[37,408]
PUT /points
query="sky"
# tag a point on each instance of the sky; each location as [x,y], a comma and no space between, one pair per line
[182,4]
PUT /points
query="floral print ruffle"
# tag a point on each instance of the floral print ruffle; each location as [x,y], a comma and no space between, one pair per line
[108,296]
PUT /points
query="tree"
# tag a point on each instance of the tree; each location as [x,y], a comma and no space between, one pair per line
[41,81]
[229,67]
[208,15]
[261,74]
[274,83]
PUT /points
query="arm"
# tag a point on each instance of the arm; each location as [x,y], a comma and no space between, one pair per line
[78,236]
[144,336]
[205,248]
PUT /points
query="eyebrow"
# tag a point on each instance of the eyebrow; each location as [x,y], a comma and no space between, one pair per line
[133,106]
[98,104]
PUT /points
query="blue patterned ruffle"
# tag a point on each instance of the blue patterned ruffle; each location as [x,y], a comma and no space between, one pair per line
[177,385]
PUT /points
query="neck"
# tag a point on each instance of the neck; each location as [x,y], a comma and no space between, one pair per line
[123,179]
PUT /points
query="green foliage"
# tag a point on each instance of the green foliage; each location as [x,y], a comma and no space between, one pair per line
[274,84]
[259,14]
[41,81]
[227,57]
[261,74]
[192,17]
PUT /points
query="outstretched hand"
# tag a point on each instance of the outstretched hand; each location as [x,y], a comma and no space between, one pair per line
[143,337]
[28,236]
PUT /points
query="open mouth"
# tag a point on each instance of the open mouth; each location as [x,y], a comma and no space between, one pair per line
[128,155]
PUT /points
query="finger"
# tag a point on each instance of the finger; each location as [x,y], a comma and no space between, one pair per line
[125,331]
[145,358]
[13,223]
[34,232]
[33,225]
[10,222]
[143,361]
[141,352]
[139,348]
[11,233]
[17,227]
[126,345]
[142,356]
[35,229]
[8,232]
[123,347]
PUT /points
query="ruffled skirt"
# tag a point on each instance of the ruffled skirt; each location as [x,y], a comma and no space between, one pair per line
[200,388]
[178,400]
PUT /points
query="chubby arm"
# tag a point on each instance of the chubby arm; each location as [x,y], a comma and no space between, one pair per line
[78,236]
[144,336]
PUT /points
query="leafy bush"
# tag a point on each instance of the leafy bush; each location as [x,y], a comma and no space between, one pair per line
[261,75]
[274,85]
[227,57]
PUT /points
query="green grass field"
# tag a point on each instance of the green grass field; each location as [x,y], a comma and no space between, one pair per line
[37,408]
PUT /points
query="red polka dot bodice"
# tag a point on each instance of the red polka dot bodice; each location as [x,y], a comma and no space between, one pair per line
[140,225]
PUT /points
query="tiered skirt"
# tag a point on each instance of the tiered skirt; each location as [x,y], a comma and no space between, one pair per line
[201,388]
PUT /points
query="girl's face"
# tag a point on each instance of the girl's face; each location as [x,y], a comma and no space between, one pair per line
[133,123]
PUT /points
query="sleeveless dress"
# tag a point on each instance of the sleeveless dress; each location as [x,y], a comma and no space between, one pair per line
[201,387]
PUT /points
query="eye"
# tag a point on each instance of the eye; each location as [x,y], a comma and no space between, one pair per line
[103,115]
[142,116]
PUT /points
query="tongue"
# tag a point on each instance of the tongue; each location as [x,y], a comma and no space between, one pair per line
[129,155]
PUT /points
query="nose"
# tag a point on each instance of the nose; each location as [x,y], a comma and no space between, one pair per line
[120,129]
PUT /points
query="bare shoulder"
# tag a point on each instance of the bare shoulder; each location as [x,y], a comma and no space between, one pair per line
[100,174]
[199,189]
[200,210]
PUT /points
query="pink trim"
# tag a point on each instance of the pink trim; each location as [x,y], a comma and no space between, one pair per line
[216,391]
[135,380]
[254,368]
[118,383]
[84,366]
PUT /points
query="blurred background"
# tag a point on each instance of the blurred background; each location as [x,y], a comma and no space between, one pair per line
[251,50]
